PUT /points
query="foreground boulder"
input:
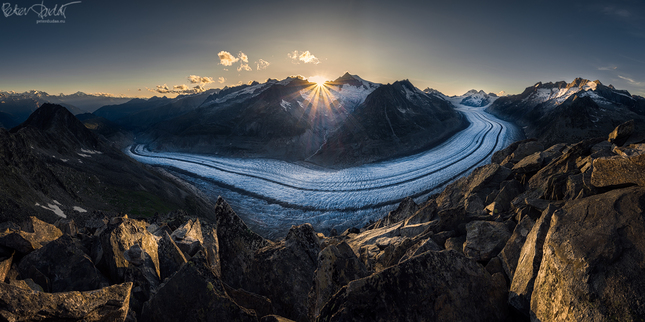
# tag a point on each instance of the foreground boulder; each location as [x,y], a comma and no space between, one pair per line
[237,244]
[107,304]
[628,168]
[284,272]
[194,293]
[337,266]
[592,265]
[33,235]
[434,286]
[64,265]
[485,239]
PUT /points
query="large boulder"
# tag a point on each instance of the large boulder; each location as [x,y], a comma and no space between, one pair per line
[592,265]
[471,192]
[528,265]
[284,272]
[170,256]
[237,244]
[64,265]
[188,237]
[406,209]
[625,169]
[127,252]
[337,266]
[194,293]
[434,286]
[511,252]
[621,133]
[107,304]
[485,239]
[33,235]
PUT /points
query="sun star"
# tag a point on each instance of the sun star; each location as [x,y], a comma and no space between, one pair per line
[319,80]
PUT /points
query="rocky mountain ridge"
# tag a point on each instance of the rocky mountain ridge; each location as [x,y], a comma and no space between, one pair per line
[561,112]
[541,234]
[53,166]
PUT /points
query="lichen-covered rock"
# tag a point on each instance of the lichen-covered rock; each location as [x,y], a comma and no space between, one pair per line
[621,133]
[592,265]
[65,265]
[470,192]
[188,237]
[510,254]
[551,180]
[128,252]
[485,239]
[499,156]
[5,265]
[194,293]
[529,164]
[422,246]
[434,286]
[170,256]
[284,272]
[107,304]
[337,266]
[34,234]
[625,169]
[528,265]
[406,209]
[237,244]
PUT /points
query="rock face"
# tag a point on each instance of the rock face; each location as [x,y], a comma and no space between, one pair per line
[591,268]
[626,168]
[34,234]
[284,272]
[108,304]
[337,266]
[237,244]
[64,265]
[435,286]
[519,296]
[485,239]
[194,294]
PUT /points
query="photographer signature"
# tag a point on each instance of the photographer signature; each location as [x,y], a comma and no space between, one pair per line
[39,9]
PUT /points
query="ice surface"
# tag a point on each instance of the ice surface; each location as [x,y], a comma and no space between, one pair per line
[276,194]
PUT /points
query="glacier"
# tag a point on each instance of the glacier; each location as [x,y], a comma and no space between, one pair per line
[271,195]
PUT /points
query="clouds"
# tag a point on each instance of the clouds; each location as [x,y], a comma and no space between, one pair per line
[631,81]
[221,80]
[262,64]
[245,67]
[226,58]
[608,68]
[194,79]
[304,56]
[616,12]
[200,82]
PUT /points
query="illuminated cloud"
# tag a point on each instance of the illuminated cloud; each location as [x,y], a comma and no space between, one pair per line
[262,64]
[608,68]
[194,79]
[245,67]
[180,88]
[243,57]
[304,56]
[221,80]
[162,89]
[226,58]
[629,80]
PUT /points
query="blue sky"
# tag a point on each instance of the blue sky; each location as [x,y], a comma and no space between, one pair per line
[132,47]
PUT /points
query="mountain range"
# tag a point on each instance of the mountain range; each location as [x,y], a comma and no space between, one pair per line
[569,112]
[54,166]
[15,108]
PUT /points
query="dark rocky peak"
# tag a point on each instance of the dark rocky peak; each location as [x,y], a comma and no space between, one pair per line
[60,125]
[348,79]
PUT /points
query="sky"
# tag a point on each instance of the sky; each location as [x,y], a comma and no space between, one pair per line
[146,48]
